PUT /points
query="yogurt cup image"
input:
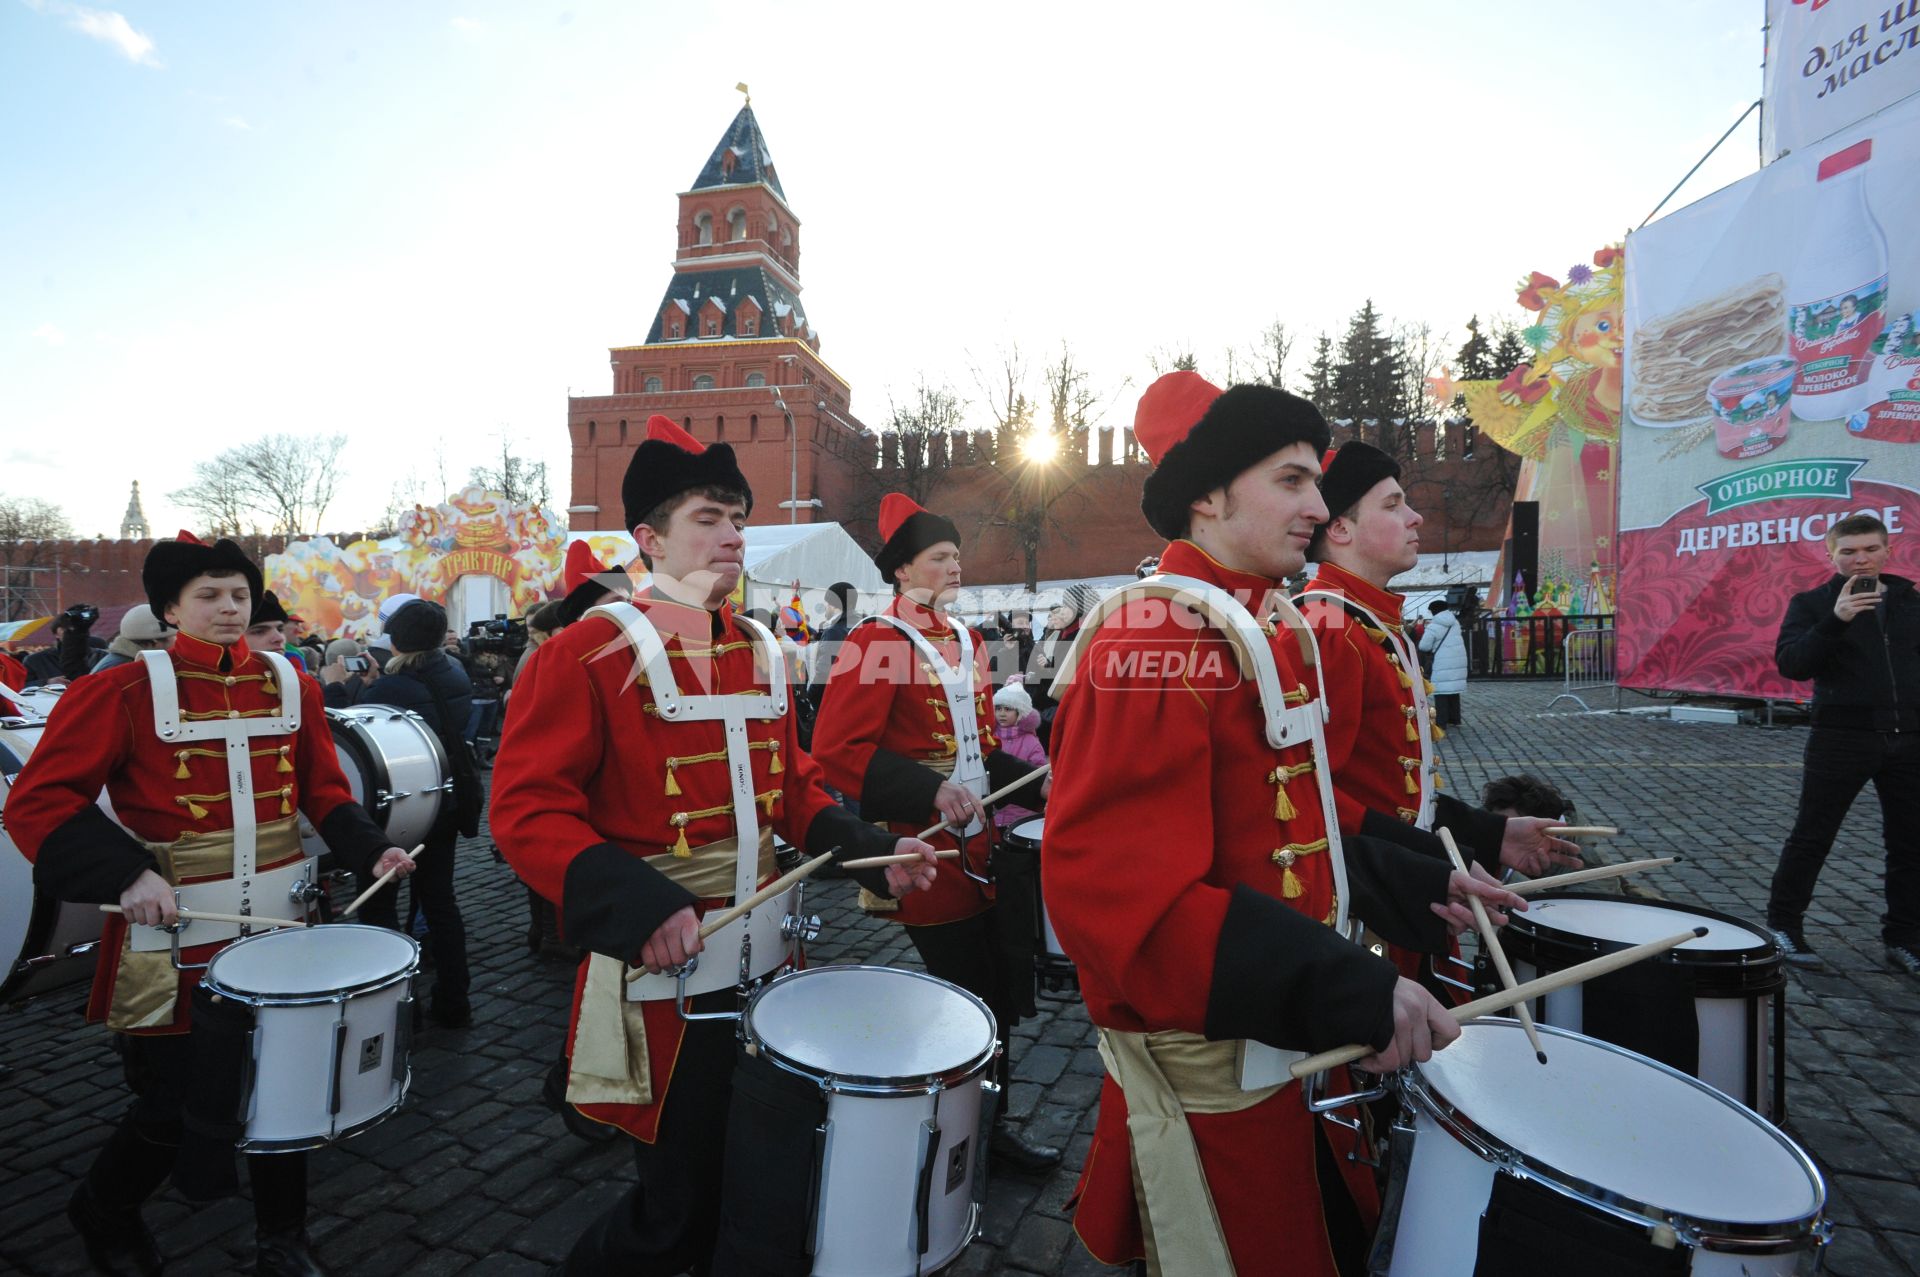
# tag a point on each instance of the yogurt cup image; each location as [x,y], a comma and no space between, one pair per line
[1752,405]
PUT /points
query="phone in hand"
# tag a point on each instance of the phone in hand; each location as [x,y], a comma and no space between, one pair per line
[357,664]
[1864,585]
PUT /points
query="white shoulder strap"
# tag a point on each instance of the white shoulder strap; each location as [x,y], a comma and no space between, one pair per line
[165,690]
[650,659]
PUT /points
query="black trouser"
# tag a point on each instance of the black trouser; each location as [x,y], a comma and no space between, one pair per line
[139,1155]
[1839,762]
[967,953]
[430,889]
[669,1221]
[1446,708]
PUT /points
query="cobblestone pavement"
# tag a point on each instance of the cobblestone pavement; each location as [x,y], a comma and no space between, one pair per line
[476,1175]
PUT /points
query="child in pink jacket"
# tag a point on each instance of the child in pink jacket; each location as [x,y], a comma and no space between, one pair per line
[1016,721]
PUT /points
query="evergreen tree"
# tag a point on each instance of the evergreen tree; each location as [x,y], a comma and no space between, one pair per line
[1367,384]
[1320,375]
[1509,351]
[1476,358]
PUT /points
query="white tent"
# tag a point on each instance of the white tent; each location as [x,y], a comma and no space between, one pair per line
[814,554]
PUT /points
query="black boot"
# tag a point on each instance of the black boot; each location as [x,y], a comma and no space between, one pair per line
[286,1254]
[1014,1152]
[554,1092]
[117,1242]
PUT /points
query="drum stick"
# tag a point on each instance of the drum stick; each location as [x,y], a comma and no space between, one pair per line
[907,858]
[779,886]
[199,915]
[1583,831]
[994,797]
[1491,939]
[378,883]
[1497,1002]
[1534,886]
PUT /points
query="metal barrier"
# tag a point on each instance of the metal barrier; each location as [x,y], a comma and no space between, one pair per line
[1587,656]
[1524,646]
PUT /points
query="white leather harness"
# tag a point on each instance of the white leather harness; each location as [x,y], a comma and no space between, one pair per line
[1416,681]
[270,894]
[956,684]
[1260,1065]
[759,935]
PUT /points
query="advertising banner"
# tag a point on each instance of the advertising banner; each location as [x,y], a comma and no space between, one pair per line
[1832,63]
[338,589]
[1772,387]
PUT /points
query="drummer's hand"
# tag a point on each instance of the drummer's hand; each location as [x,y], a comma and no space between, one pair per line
[956,804]
[1046,786]
[149,901]
[1421,1026]
[673,942]
[902,879]
[1476,882]
[393,858]
[1528,847]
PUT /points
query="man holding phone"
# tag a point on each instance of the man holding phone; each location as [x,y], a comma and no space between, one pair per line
[1858,638]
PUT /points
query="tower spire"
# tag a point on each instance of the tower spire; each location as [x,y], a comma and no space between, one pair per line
[133,524]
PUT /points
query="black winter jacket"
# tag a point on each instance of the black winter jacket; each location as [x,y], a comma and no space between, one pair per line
[412,689]
[1865,672]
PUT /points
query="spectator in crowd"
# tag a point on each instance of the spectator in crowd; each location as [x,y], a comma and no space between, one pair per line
[73,651]
[542,624]
[347,673]
[1063,626]
[1449,676]
[1857,636]
[1017,724]
[1512,796]
[842,598]
[490,674]
[420,678]
[1013,648]
[140,631]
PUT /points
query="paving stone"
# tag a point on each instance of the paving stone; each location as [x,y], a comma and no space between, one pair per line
[1039,1243]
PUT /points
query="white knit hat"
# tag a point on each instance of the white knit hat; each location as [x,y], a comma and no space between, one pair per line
[1013,697]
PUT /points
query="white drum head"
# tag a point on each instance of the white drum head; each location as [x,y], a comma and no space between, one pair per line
[871,1022]
[1030,829]
[301,961]
[1611,1119]
[1632,922]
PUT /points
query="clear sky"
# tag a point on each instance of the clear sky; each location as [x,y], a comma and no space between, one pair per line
[422,224]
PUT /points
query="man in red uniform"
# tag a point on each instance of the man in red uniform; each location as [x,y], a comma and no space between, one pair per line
[906,729]
[1188,872]
[1381,736]
[178,830]
[12,674]
[615,799]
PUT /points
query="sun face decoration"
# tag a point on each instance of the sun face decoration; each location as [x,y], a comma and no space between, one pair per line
[1574,380]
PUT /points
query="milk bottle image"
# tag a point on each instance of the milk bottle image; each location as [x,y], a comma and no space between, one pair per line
[1837,295]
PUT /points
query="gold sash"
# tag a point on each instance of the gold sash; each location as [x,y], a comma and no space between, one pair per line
[1166,1075]
[146,987]
[608,1060]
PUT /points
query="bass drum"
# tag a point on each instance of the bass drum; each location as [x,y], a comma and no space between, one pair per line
[395,766]
[44,943]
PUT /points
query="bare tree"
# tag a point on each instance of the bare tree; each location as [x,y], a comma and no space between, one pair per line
[32,519]
[520,480]
[1172,359]
[1005,395]
[285,481]
[1272,350]
[934,412]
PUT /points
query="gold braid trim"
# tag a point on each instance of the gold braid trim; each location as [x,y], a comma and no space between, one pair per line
[1290,885]
[182,755]
[1283,808]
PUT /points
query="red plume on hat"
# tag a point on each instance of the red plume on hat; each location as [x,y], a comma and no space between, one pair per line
[906,528]
[581,566]
[1171,407]
[667,430]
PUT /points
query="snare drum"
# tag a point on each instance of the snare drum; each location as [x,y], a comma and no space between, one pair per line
[1714,1007]
[44,943]
[332,1025]
[396,767]
[1634,1167]
[1058,977]
[900,1165]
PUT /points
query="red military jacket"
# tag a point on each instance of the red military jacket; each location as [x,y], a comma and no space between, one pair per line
[101,735]
[882,719]
[590,785]
[1186,871]
[1371,732]
[14,675]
